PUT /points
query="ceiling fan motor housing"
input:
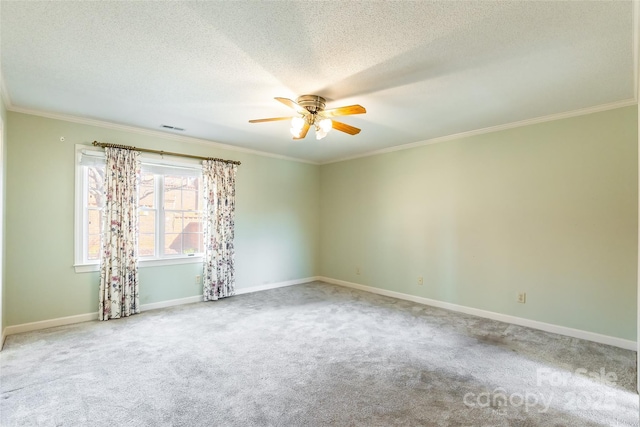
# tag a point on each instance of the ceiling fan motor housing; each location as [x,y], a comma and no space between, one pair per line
[313,103]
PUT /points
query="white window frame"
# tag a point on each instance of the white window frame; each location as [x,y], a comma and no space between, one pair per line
[83,265]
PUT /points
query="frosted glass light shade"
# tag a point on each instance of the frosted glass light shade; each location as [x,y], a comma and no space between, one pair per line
[297,123]
[325,125]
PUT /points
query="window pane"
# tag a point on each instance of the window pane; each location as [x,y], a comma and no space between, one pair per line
[147,191]
[191,194]
[172,192]
[93,251]
[173,181]
[146,244]
[196,183]
[183,232]
[189,200]
[147,221]
[147,239]
[192,243]
[94,219]
[95,187]
[173,244]
[172,222]
[193,222]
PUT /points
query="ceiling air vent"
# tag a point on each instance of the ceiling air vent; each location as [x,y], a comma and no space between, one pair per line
[172,127]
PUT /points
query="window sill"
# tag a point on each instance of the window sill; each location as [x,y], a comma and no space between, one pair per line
[88,268]
[196,259]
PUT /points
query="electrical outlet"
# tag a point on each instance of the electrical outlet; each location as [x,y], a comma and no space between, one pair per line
[198,279]
[522,297]
[420,281]
[358,271]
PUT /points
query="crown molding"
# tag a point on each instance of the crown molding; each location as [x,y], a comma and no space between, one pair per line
[527,122]
[437,140]
[154,133]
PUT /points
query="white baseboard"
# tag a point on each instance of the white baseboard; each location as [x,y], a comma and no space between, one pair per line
[562,330]
[547,327]
[4,337]
[61,321]
[276,285]
[170,303]
[44,324]
[198,298]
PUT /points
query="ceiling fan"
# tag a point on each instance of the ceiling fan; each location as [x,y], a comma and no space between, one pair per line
[311,112]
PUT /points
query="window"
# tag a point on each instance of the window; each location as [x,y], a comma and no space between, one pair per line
[170,214]
[170,211]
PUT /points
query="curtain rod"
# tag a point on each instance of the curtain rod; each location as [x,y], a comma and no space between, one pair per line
[168,153]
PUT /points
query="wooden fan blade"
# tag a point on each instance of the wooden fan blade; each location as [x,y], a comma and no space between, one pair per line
[344,111]
[292,104]
[343,127]
[272,119]
[304,131]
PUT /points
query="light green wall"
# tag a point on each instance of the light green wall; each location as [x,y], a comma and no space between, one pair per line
[277,221]
[549,209]
[3,172]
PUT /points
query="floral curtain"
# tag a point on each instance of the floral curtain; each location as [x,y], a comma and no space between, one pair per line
[218,223]
[119,254]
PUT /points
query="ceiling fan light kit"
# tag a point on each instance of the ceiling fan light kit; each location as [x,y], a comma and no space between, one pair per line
[312,113]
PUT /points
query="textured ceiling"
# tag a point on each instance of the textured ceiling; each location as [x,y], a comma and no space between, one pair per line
[421,69]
